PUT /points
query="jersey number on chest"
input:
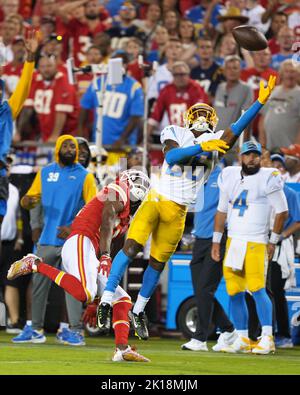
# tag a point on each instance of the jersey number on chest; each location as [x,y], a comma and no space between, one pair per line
[240,203]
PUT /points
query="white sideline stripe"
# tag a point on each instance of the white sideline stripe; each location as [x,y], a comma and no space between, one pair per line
[178,262]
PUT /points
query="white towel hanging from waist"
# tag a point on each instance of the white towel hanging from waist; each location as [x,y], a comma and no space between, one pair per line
[236,253]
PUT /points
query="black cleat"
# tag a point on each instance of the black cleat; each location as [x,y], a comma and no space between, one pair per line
[139,322]
[104,317]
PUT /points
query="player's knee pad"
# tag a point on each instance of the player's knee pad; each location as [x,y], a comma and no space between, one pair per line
[120,310]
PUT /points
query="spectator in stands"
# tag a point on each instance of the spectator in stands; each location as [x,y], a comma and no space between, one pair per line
[208,73]
[227,47]
[10,7]
[12,71]
[163,74]
[286,39]
[200,17]
[254,11]
[158,45]
[134,48]
[125,27]
[82,32]
[171,22]
[292,163]
[44,8]
[279,125]
[232,96]
[123,109]
[150,23]
[253,75]
[93,56]
[103,42]
[231,19]
[12,243]
[175,98]
[9,32]
[188,37]
[282,269]
[279,20]
[47,27]
[70,188]
[53,100]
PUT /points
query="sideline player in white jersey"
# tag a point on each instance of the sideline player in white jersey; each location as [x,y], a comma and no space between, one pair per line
[163,212]
[247,194]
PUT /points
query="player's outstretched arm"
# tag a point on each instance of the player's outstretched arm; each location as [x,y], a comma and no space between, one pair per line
[19,96]
[175,155]
[232,133]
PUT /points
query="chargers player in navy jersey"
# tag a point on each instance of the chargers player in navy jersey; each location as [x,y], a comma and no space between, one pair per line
[122,112]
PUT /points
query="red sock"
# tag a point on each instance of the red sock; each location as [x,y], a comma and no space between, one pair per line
[120,320]
[66,281]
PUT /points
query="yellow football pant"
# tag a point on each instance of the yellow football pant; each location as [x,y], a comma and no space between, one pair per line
[253,275]
[163,219]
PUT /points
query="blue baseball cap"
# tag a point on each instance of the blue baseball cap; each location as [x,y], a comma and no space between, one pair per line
[251,146]
[278,157]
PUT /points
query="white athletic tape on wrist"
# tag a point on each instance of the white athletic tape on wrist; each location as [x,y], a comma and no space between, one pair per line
[274,238]
[217,237]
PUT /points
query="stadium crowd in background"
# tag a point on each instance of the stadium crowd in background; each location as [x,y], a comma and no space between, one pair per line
[189,55]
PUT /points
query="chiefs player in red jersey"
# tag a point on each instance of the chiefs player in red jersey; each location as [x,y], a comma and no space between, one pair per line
[84,275]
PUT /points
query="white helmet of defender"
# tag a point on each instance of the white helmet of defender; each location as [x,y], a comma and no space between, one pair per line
[138,181]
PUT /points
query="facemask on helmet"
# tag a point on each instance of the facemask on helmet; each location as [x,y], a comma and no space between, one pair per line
[138,182]
[201,117]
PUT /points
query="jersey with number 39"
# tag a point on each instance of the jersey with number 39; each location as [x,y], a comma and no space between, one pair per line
[248,201]
[177,183]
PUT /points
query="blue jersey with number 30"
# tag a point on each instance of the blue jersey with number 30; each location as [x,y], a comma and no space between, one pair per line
[120,103]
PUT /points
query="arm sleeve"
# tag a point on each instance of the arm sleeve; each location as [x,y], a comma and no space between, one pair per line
[176,155]
[278,201]
[244,120]
[89,188]
[21,92]
[36,186]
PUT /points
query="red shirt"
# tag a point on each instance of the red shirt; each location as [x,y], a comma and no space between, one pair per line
[252,77]
[175,102]
[135,71]
[47,98]
[81,38]
[88,220]
[11,75]
[274,46]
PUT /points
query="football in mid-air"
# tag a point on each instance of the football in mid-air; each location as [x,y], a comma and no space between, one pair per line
[250,38]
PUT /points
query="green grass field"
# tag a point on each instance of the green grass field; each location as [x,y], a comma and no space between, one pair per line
[165,354]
